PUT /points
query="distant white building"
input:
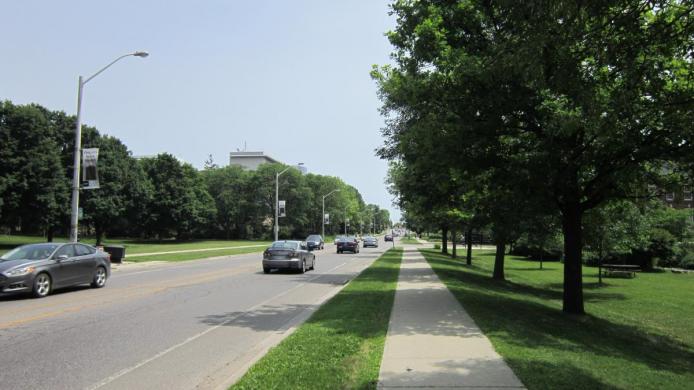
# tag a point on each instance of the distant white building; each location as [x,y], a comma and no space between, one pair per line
[250,160]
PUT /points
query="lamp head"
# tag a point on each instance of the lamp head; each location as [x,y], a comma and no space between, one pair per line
[142,54]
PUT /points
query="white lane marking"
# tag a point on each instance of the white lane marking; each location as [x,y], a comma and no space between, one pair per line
[197,336]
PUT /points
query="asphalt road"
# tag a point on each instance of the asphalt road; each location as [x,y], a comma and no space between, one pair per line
[196,324]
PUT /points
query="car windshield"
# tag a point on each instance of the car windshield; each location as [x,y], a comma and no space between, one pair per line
[369,239]
[30,252]
[313,238]
[290,245]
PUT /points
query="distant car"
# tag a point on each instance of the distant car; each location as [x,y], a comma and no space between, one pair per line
[370,242]
[349,244]
[291,255]
[42,268]
[388,237]
[314,241]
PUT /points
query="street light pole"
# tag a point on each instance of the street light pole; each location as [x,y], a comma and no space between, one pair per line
[277,202]
[74,215]
[323,215]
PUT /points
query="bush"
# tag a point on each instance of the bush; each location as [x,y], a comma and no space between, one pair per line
[687,261]
[437,246]
[520,249]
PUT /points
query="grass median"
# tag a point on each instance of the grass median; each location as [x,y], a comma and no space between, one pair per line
[409,241]
[639,333]
[185,256]
[150,250]
[341,345]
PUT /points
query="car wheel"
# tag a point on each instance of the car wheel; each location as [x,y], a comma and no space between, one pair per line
[303,267]
[99,279]
[42,285]
[266,270]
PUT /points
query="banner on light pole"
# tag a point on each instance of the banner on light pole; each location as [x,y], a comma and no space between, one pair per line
[326,219]
[90,174]
[282,211]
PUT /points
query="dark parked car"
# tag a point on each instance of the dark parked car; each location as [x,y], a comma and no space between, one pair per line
[288,255]
[41,268]
[314,241]
[349,244]
[388,237]
[370,242]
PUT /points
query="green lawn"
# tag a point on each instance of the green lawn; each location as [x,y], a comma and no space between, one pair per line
[639,333]
[133,246]
[409,241]
[197,255]
[341,345]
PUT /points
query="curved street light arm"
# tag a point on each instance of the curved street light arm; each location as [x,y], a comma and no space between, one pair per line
[137,54]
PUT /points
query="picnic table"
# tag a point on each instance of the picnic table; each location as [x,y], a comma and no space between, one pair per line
[619,269]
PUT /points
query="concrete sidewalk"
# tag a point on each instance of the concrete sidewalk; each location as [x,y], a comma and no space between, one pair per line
[432,342]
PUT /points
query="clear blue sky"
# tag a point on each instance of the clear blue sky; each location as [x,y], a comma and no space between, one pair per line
[290,78]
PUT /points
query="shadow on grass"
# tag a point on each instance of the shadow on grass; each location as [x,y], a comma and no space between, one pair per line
[553,292]
[554,376]
[7,247]
[518,315]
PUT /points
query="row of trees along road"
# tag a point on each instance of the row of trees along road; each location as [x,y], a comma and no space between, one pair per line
[522,113]
[158,197]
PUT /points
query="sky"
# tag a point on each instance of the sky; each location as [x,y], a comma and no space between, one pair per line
[289,78]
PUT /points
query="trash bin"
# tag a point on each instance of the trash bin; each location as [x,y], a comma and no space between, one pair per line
[117,252]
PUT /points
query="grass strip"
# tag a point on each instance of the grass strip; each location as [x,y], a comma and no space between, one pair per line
[639,333]
[135,246]
[409,241]
[174,257]
[341,345]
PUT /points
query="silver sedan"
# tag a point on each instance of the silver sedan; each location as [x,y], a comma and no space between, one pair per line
[293,255]
[41,268]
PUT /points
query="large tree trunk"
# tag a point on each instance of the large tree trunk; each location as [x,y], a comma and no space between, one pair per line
[573,245]
[444,240]
[49,233]
[499,260]
[468,241]
[99,232]
[455,248]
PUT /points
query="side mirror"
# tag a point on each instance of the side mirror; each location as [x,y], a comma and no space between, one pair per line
[303,246]
[62,257]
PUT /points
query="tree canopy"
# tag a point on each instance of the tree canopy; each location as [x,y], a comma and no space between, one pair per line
[156,197]
[575,103]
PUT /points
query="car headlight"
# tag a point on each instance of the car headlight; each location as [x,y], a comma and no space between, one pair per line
[21,271]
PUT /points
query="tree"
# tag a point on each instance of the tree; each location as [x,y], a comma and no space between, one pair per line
[32,185]
[104,206]
[227,187]
[588,98]
[181,204]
